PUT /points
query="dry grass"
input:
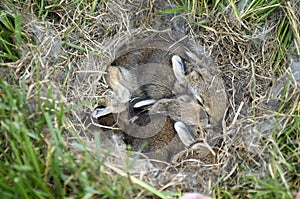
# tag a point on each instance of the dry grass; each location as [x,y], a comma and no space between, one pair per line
[71,44]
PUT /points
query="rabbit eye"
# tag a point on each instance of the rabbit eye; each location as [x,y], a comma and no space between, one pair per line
[185,99]
[110,94]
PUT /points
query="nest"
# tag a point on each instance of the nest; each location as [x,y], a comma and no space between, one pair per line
[191,169]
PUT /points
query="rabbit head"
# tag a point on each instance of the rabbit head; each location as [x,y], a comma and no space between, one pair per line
[183,108]
[205,86]
[112,105]
[117,99]
[144,74]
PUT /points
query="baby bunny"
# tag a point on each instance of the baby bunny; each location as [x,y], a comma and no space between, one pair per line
[171,139]
[183,118]
[113,104]
[182,108]
[207,88]
[147,80]
[153,79]
[116,100]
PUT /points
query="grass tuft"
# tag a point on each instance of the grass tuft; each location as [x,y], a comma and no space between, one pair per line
[10,37]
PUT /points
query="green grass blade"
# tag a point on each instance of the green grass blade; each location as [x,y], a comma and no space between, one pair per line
[17,30]
[172,10]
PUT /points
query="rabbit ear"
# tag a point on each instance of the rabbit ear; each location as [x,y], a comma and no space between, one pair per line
[144,103]
[184,133]
[98,112]
[199,98]
[113,74]
[178,68]
[192,56]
